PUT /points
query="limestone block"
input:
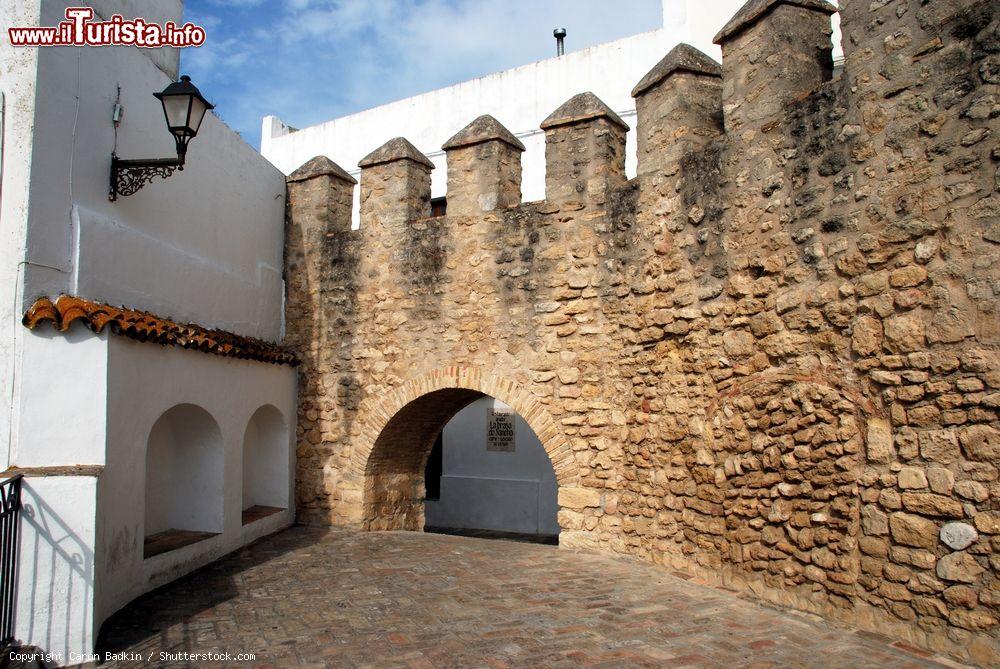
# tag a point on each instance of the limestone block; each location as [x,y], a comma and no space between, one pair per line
[912,478]
[579,498]
[958,536]
[980,442]
[879,442]
[960,567]
[911,530]
[939,446]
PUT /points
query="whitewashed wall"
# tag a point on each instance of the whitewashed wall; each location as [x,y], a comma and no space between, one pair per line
[17,104]
[230,391]
[200,246]
[493,490]
[203,246]
[63,399]
[58,524]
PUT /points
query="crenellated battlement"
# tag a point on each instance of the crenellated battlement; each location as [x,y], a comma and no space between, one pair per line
[681,104]
[771,359]
[395,185]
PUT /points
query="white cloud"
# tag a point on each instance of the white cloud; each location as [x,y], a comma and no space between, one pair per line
[312,60]
[437,41]
[236,3]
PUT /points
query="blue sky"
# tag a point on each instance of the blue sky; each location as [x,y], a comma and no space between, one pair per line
[309,61]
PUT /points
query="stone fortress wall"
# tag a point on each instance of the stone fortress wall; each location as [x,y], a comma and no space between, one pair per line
[771,359]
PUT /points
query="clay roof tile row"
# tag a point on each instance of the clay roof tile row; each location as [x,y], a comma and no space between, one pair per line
[146,327]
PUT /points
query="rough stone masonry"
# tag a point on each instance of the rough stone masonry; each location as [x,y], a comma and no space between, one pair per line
[772,358]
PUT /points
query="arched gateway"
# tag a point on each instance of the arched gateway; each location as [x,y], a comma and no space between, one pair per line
[399,429]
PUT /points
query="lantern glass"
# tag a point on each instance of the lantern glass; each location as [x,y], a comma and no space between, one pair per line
[198,109]
[184,109]
[175,108]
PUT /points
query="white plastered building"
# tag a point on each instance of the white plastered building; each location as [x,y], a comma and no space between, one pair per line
[118,439]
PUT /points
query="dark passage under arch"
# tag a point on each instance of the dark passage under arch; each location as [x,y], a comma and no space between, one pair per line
[395,476]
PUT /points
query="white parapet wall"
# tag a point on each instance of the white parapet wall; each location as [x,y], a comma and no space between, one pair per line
[520,98]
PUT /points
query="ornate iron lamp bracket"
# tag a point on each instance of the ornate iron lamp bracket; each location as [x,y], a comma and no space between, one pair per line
[128,176]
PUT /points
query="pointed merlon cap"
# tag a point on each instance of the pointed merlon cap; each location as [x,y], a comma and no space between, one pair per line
[755,9]
[483,129]
[319,166]
[582,107]
[397,148]
[682,58]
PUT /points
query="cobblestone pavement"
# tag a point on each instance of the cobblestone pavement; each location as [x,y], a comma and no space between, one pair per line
[310,597]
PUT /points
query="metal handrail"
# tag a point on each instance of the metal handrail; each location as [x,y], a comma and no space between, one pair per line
[10,513]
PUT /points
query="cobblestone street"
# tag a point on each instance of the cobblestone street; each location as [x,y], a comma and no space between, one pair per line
[310,597]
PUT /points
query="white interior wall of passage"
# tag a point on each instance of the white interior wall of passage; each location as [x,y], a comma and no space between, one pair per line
[520,98]
[231,392]
[184,472]
[265,460]
[493,490]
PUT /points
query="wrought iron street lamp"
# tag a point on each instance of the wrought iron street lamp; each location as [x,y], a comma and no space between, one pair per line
[184,109]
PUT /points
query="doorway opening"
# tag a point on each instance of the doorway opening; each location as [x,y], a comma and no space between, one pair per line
[489,475]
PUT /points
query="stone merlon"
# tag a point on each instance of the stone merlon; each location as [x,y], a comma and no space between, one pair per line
[320,166]
[582,107]
[682,58]
[398,148]
[754,10]
[483,129]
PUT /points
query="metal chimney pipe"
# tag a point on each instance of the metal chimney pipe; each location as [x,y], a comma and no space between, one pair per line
[560,35]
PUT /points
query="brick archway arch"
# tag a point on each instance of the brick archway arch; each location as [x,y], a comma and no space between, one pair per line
[398,428]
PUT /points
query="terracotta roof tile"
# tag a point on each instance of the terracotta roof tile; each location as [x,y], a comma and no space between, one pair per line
[144,326]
